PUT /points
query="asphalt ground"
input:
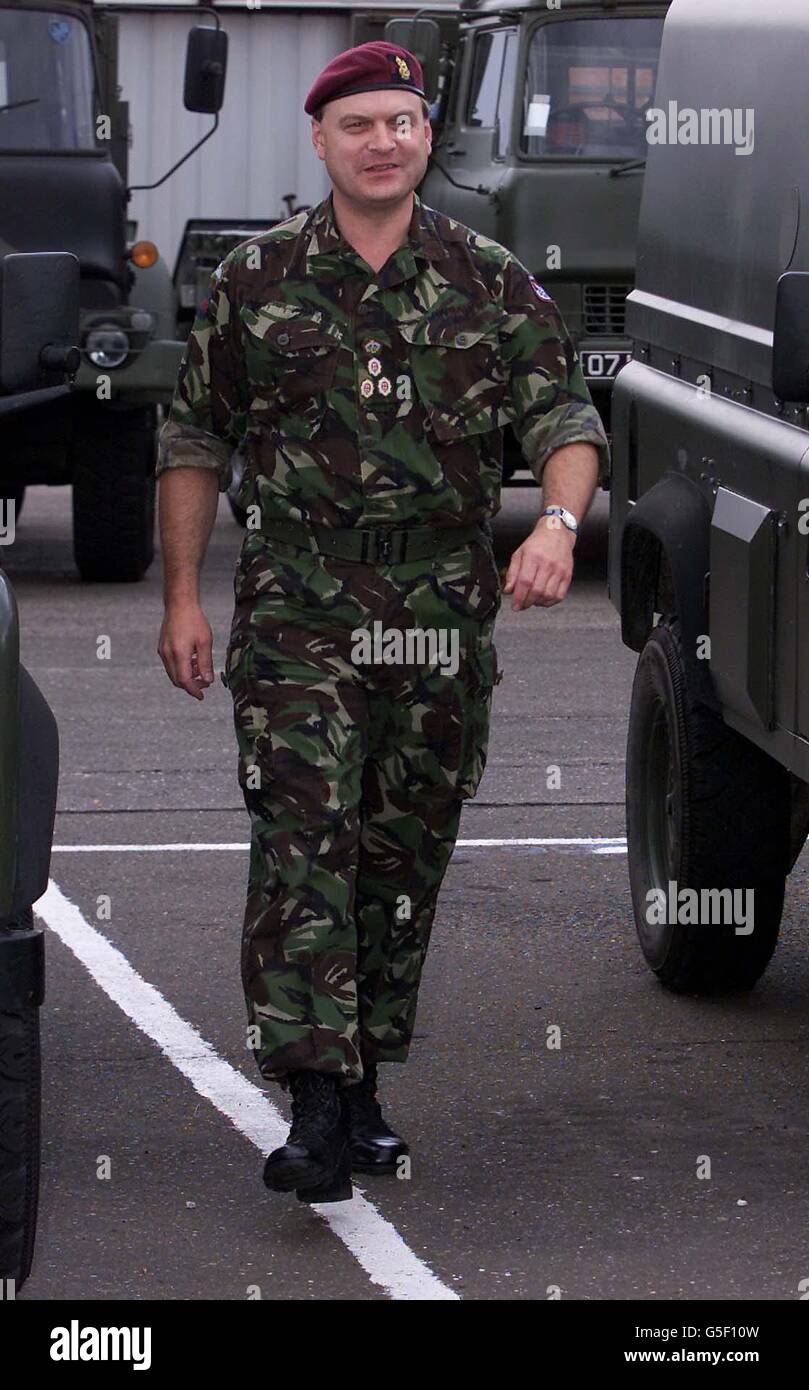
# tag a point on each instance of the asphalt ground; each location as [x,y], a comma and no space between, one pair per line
[538,1171]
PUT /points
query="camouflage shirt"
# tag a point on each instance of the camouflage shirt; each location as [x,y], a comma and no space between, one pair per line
[362,398]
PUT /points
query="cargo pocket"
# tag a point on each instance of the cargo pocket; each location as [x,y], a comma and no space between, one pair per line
[478,703]
[458,373]
[291,361]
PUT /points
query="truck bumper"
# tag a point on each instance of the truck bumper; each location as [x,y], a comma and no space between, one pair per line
[147,377]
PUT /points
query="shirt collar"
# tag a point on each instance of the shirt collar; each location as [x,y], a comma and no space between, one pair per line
[328,253]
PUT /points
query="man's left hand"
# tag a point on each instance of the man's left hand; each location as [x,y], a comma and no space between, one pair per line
[542,567]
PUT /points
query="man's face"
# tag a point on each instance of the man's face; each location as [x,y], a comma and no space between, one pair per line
[375,145]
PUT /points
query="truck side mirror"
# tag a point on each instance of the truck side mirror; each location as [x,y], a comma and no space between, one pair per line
[790,343]
[422,38]
[206,62]
[39,319]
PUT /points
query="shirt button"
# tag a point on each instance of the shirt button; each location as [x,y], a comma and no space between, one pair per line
[461,340]
[283,339]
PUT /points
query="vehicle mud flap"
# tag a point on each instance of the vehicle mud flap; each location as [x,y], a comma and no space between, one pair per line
[22,964]
[20,1095]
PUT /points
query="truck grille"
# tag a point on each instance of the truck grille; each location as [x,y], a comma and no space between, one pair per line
[605,309]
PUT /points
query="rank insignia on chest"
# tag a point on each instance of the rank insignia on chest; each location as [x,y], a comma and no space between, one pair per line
[372,345]
[374,366]
[366,388]
[384,385]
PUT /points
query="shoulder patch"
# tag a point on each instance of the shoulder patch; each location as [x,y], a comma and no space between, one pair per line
[537,288]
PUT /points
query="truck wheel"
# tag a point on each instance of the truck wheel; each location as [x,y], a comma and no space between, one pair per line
[114,494]
[20,1082]
[705,810]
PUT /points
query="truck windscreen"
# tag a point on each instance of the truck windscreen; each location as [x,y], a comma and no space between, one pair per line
[46,82]
[587,85]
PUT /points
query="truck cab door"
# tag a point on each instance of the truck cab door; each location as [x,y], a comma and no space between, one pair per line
[473,148]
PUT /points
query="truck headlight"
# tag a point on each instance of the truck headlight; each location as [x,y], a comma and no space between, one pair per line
[107,345]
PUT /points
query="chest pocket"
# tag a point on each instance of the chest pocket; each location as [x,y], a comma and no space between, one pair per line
[291,358]
[458,373]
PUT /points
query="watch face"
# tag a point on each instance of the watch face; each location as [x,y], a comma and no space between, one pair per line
[567,518]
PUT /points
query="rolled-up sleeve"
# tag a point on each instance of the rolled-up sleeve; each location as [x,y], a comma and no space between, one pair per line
[548,403]
[207,417]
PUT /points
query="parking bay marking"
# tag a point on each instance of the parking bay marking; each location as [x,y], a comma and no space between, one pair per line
[595,844]
[372,1240]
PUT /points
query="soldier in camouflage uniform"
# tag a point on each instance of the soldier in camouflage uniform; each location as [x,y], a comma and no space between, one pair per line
[367,367]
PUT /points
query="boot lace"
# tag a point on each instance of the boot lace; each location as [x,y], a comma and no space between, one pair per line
[315,1107]
[363,1105]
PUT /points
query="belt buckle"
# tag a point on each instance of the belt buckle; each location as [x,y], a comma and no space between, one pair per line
[384,547]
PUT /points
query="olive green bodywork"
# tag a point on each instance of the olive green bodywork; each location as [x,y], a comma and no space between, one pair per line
[38,360]
[570,218]
[148,374]
[710,479]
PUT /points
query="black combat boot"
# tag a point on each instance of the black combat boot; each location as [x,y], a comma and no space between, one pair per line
[374,1146]
[315,1161]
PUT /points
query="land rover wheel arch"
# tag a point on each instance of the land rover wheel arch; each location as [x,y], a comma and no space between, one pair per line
[708,831]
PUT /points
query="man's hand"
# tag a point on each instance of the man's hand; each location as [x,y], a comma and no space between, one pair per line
[542,567]
[188,499]
[186,648]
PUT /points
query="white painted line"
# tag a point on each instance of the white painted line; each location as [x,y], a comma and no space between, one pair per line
[373,1241]
[611,845]
[148,849]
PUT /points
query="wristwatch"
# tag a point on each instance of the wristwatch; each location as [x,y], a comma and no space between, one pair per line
[567,518]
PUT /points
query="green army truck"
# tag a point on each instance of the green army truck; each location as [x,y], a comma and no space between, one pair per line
[39,320]
[64,134]
[709,525]
[539,120]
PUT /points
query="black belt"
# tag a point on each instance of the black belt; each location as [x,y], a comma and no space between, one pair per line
[378,547]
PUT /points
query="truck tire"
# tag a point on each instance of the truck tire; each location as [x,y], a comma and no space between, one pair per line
[114,494]
[705,809]
[20,1102]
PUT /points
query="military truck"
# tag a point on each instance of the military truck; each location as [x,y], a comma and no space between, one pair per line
[39,321]
[63,187]
[539,119]
[708,563]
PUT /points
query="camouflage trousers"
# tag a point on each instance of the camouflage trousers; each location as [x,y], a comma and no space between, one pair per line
[354,772]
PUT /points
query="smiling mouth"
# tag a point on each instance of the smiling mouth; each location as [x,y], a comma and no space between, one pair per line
[379,168]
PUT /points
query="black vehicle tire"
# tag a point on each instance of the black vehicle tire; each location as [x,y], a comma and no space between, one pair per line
[114,494]
[705,809]
[20,1108]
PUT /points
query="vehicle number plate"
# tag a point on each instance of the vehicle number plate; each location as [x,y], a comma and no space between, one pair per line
[604,364]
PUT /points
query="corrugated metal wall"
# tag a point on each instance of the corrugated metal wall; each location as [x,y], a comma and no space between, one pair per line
[262,148]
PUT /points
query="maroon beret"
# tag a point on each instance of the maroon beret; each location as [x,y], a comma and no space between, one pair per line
[371,67]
